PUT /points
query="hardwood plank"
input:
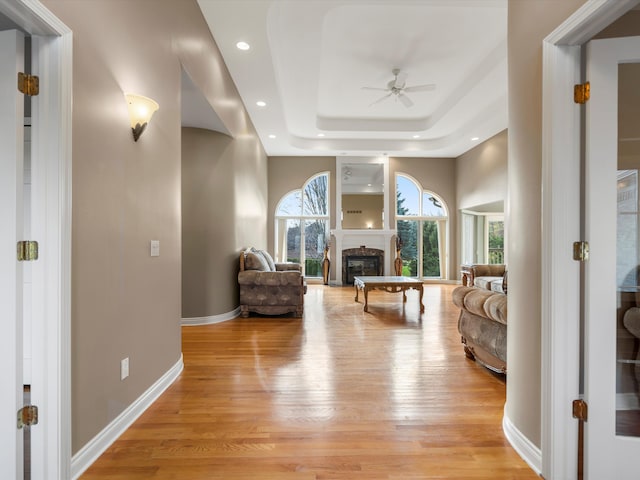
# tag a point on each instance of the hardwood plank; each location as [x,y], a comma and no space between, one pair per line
[340,394]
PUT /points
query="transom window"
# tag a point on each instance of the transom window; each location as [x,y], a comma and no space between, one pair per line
[422,222]
[302,225]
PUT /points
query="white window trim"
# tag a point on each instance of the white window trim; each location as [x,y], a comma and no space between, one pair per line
[443,233]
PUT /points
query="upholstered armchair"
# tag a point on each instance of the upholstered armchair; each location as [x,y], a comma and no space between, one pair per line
[489,277]
[269,288]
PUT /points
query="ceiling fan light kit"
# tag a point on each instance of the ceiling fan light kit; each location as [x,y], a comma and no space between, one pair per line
[398,88]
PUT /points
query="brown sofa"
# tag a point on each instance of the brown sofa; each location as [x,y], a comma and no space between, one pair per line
[269,288]
[483,316]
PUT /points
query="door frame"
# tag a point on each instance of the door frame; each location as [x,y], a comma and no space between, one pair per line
[561,212]
[51,157]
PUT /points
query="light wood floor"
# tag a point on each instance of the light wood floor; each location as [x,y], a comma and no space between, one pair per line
[339,394]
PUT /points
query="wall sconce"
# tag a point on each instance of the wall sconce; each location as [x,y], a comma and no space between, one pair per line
[141,109]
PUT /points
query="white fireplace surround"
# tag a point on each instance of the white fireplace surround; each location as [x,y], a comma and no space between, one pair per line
[381,239]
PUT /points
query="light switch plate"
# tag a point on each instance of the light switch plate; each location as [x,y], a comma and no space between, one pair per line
[124,368]
[155,248]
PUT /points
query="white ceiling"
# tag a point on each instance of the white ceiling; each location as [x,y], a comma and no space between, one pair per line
[309,60]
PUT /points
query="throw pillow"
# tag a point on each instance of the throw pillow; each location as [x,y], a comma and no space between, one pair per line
[269,259]
[255,261]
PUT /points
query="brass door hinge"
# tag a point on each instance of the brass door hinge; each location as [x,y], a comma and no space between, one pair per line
[28,84]
[581,93]
[580,410]
[27,416]
[27,250]
[581,251]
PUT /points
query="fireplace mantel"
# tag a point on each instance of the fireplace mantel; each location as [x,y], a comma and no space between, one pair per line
[370,238]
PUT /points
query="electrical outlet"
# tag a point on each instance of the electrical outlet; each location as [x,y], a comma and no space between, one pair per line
[124,368]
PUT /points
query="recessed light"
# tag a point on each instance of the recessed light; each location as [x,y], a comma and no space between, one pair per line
[243,46]
[260,103]
[272,136]
[475,139]
[368,184]
[321,134]
[416,136]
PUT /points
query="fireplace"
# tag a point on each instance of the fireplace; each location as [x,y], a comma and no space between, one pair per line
[361,262]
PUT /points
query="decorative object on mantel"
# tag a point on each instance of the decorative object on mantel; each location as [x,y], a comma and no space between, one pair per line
[326,263]
[397,263]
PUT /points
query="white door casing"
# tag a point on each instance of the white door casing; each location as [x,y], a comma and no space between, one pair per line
[51,209]
[11,173]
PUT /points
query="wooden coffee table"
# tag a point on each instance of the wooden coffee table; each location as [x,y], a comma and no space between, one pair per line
[391,284]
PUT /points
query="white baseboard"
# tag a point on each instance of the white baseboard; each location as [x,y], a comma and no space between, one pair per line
[223,317]
[522,445]
[98,444]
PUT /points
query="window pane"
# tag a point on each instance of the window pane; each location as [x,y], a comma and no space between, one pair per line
[627,227]
[315,233]
[408,233]
[293,241]
[496,242]
[407,196]
[432,206]
[291,205]
[430,250]
[315,197]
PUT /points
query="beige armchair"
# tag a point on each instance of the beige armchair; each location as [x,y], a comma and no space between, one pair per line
[269,288]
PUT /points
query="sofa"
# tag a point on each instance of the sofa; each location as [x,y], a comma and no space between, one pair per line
[269,288]
[483,317]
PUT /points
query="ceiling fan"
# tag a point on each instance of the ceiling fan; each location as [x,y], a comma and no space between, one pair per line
[397,87]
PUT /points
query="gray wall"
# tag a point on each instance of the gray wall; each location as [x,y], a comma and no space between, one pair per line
[529,24]
[362,211]
[220,195]
[481,173]
[125,193]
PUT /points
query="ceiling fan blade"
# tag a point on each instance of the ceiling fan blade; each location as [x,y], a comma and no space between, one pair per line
[421,88]
[375,88]
[406,101]
[381,99]
[401,79]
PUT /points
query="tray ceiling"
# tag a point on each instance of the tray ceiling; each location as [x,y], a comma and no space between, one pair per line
[308,61]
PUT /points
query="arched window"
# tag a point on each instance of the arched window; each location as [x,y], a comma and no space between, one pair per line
[302,219]
[422,222]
